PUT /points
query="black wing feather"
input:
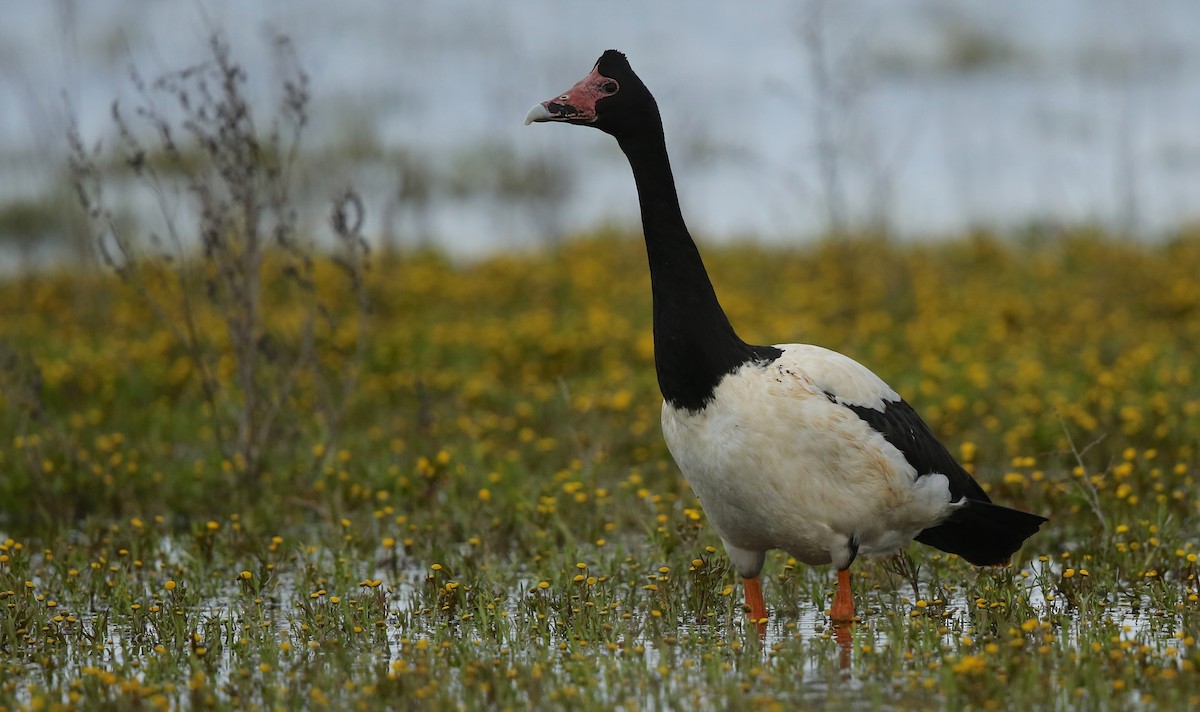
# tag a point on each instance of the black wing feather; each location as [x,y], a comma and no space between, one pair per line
[905,430]
[981,532]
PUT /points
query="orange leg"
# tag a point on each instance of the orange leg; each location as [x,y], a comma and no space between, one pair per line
[754,600]
[843,600]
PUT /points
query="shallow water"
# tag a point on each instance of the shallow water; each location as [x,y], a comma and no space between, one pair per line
[791,634]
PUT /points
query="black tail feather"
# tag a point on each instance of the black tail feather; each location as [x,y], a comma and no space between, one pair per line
[983,533]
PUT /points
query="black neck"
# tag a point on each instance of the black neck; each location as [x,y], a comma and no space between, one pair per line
[694,343]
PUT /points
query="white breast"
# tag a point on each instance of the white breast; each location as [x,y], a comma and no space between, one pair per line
[777,464]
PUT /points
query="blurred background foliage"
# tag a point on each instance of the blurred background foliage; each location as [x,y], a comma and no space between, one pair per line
[526,364]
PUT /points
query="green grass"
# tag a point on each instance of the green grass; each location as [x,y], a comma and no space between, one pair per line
[500,526]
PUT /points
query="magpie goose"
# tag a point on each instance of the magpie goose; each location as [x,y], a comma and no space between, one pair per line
[792,446]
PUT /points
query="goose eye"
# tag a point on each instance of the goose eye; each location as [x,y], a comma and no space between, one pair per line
[609,87]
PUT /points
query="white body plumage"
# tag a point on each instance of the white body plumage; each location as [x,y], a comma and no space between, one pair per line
[779,462]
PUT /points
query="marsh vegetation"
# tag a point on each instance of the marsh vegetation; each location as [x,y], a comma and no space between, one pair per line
[248,469]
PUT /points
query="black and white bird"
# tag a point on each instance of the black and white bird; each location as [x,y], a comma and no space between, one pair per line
[791,447]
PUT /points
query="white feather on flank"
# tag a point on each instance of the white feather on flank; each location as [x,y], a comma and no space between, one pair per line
[778,465]
[851,382]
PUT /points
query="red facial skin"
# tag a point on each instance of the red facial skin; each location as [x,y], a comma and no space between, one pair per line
[578,104]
